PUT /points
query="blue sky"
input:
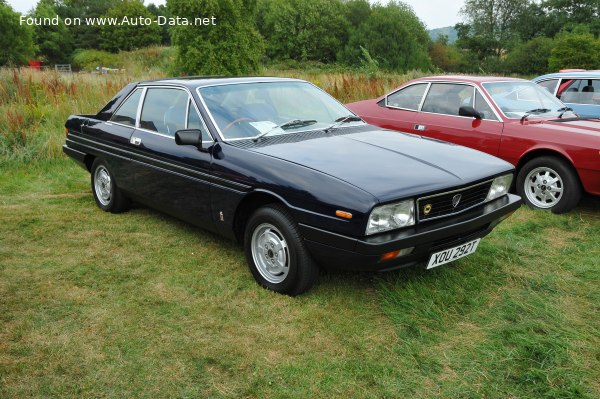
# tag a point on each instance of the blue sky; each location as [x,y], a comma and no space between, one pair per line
[434,13]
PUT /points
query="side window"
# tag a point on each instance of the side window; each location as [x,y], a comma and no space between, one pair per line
[164,110]
[581,91]
[408,98]
[194,122]
[483,108]
[447,98]
[127,112]
[549,85]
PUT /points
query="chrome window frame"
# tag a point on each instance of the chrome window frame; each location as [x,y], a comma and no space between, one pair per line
[144,88]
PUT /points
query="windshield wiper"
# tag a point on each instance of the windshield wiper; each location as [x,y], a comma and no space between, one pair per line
[534,111]
[563,110]
[287,125]
[344,119]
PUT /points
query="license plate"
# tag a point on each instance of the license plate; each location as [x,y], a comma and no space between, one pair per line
[452,254]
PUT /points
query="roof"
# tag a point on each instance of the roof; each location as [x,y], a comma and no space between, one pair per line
[470,79]
[193,82]
[580,74]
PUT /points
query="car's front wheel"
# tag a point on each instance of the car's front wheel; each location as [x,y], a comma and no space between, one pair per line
[277,256]
[107,194]
[549,183]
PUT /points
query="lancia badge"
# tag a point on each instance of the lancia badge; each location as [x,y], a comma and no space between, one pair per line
[456,200]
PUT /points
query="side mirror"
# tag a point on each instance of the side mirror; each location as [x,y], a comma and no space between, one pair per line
[470,112]
[189,137]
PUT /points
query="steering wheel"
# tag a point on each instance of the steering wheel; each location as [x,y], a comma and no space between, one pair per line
[235,122]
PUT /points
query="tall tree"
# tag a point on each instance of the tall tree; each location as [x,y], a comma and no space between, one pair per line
[490,24]
[15,39]
[85,36]
[393,36]
[301,30]
[54,42]
[128,36]
[232,47]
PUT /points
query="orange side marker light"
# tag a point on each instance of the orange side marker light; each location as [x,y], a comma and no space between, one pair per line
[343,214]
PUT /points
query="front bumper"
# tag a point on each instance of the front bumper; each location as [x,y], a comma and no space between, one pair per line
[343,252]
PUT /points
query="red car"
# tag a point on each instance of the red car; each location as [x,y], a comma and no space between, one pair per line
[556,153]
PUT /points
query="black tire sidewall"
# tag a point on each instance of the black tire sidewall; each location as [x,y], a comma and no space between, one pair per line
[571,186]
[97,163]
[300,261]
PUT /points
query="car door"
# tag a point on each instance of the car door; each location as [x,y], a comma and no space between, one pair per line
[399,109]
[173,178]
[439,117]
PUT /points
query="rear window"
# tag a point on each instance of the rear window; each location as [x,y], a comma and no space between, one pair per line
[127,112]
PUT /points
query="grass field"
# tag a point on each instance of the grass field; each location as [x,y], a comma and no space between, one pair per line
[140,305]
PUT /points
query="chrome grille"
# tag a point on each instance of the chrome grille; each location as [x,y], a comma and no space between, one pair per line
[444,204]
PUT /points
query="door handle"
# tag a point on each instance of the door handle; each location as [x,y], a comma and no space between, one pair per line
[135,141]
[420,128]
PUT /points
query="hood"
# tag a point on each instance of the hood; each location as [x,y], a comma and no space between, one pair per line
[388,164]
[586,127]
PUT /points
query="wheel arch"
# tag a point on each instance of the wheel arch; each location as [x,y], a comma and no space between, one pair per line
[88,160]
[248,205]
[541,152]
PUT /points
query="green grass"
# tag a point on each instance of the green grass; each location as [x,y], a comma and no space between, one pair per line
[140,305]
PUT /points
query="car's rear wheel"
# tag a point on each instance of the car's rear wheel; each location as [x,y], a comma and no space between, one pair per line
[549,183]
[107,194]
[277,256]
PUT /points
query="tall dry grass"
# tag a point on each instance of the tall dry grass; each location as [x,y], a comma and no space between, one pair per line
[34,105]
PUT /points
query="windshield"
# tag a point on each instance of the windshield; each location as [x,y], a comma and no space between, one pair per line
[250,110]
[520,99]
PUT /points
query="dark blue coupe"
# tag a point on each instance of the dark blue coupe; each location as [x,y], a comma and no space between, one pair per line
[292,174]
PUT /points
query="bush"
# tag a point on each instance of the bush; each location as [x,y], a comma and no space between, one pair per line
[530,58]
[575,50]
[90,59]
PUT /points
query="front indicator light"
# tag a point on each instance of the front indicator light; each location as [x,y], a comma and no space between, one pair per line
[499,187]
[396,254]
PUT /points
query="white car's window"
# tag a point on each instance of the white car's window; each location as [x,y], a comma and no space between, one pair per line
[164,110]
[582,91]
[519,98]
[447,98]
[407,98]
[249,110]
[127,112]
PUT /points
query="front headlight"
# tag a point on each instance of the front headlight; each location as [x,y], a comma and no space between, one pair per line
[390,217]
[500,186]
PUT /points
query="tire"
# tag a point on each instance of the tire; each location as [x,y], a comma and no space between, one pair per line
[549,183]
[276,254]
[107,194]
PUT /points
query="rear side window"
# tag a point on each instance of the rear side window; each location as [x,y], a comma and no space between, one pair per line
[127,112]
[581,91]
[408,98]
[164,110]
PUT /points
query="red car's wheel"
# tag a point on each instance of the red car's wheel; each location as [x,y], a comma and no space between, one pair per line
[549,183]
